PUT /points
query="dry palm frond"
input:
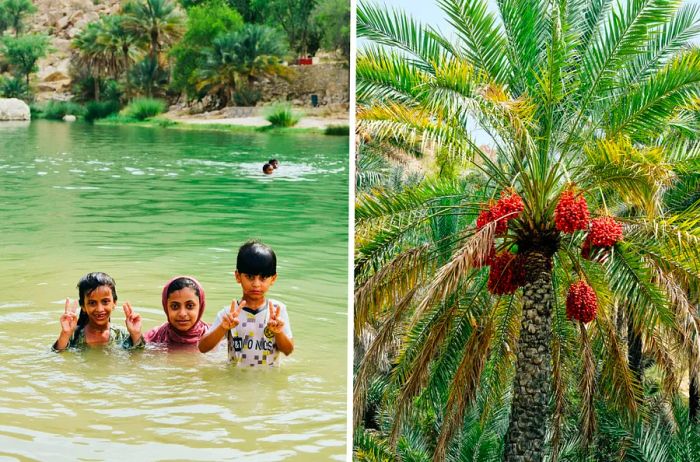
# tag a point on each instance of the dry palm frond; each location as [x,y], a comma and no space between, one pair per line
[663,353]
[464,385]
[419,366]
[389,284]
[587,388]
[622,390]
[447,278]
[370,362]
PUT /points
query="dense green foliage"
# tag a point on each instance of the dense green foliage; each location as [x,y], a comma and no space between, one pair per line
[236,59]
[100,109]
[23,52]
[56,110]
[166,48]
[204,24]
[12,14]
[530,100]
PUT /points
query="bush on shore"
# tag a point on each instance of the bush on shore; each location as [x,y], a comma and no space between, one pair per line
[144,108]
[100,109]
[282,115]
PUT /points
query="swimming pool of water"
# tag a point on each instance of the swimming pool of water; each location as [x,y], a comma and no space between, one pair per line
[144,205]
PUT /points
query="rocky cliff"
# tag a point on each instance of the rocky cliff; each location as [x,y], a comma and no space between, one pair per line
[62,20]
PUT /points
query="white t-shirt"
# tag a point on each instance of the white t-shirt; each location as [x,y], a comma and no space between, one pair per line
[247,343]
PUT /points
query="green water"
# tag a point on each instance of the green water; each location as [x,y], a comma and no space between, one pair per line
[144,205]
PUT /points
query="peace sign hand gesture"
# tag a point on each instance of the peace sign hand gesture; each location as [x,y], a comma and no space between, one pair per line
[275,324]
[69,318]
[230,319]
[133,322]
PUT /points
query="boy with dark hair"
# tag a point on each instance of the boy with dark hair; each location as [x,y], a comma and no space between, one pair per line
[256,328]
[268,169]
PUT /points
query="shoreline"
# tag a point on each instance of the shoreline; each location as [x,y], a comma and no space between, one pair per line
[310,125]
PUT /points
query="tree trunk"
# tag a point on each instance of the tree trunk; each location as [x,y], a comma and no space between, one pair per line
[97,88]
[530,410]
[634,350]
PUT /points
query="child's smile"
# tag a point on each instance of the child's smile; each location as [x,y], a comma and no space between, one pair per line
[98,305]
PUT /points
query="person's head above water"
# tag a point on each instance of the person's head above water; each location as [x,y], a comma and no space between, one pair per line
[183,301]
[254,258]
[256,271]
[97,296]
[268,169]
[274,162]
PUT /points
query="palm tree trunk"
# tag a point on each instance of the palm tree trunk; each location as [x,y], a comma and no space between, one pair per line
[530,408]
[96,81]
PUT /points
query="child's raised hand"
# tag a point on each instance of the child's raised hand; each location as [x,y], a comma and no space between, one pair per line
[230,319]
[69,318]
[133,320]
[275,324]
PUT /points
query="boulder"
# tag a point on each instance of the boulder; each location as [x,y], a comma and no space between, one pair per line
[55,76]
[69,118]
[13,109]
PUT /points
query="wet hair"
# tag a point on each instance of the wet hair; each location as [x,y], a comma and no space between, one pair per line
[255,258]
[87,285]
[266,167]
[274,162]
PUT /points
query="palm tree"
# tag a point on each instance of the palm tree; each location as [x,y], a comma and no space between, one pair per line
[95,54]
[118,36]
[237,59]
[159,20]
[568,93]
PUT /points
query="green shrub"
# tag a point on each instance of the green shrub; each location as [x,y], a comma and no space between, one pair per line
[143,108]
[282,115]
[14,87]
[36,111]
[56,110]
[337,130]
[100,109]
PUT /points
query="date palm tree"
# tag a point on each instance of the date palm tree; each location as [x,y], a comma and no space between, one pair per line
[95,54]
[237,59]
[591,94]
[159,20]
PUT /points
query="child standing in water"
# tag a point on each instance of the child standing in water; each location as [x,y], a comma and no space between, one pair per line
[183,301]
[256,328]
[97,296]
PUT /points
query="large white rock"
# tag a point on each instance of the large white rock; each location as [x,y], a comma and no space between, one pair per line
[13,109]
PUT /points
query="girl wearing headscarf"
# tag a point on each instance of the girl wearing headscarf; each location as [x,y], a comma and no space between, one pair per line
[183,302]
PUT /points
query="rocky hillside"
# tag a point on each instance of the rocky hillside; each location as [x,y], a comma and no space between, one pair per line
[62,20]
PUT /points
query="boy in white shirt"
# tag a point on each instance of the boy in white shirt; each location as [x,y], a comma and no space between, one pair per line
[256,328]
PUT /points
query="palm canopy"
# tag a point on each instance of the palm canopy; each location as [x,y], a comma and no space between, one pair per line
[599,95]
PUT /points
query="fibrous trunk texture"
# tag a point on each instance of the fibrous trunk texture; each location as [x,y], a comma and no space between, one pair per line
[530,410]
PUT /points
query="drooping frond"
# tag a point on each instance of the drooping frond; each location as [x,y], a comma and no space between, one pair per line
[464,386]
[370,362]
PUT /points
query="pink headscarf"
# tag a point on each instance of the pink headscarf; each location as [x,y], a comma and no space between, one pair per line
[166,333]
